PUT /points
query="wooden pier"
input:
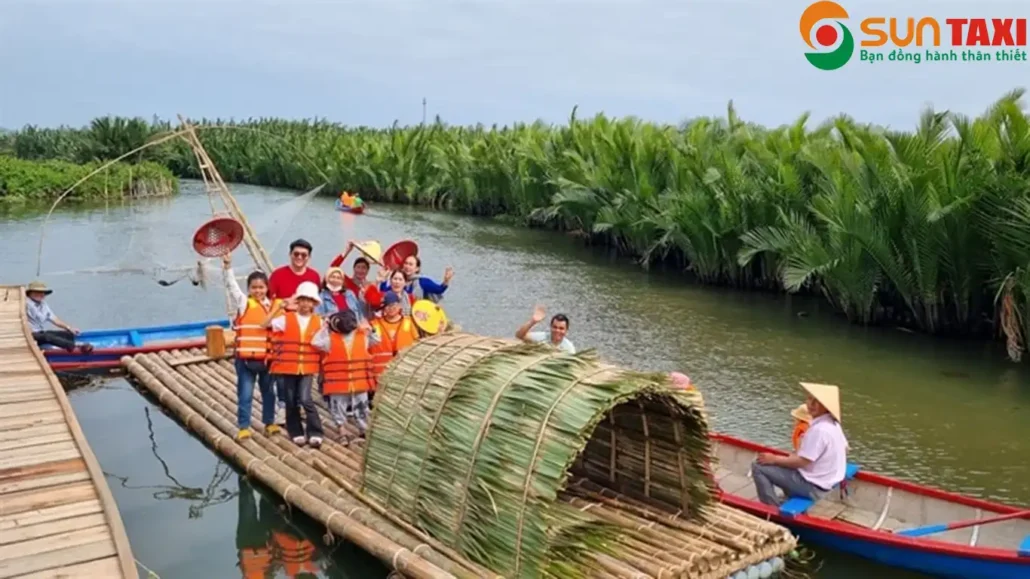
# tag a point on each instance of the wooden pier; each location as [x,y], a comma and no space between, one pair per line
[57,515]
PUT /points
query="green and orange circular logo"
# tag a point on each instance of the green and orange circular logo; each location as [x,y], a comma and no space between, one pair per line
[833,41]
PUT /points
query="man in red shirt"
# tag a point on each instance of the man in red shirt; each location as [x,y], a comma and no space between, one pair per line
[283,282]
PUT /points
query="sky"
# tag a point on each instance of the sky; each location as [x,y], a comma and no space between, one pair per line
[372,62]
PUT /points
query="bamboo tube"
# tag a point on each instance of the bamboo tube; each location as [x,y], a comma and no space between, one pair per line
[398,557]
[292,456]
[656,541]
[208,375]
[713,533]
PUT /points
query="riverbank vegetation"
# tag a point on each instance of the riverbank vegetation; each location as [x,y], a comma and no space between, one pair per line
[927,229]
[23,181]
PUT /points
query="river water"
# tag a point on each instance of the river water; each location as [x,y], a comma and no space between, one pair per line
[946,413]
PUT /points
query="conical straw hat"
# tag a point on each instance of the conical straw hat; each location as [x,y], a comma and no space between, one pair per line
[428,316]
[828,396]
[801,413]
[371,249]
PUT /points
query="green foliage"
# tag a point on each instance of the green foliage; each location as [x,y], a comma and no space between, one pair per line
[22,180]
[913,228]
[474,440]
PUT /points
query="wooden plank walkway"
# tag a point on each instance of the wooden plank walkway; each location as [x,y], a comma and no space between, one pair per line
[57,515]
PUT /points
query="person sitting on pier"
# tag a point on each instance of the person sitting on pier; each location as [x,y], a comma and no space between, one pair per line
[347,368]
[295,362]
[251,349]
[556,337]
[396,331]
[38,313]
[820,462]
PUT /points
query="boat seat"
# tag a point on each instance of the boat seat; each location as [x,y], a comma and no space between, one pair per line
[795,506]
[1024,547]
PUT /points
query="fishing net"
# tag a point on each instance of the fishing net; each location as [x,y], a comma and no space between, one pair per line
[141,240]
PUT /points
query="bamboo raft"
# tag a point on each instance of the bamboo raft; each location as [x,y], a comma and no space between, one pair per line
[493,458]
[57,515]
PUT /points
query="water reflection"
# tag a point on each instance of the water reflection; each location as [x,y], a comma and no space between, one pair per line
[267,542]
[214,493]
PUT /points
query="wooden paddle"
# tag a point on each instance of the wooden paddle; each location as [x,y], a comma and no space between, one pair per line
[931,529]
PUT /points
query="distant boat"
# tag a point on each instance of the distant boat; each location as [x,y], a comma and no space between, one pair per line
[110,345]
[356,209]
[866,519]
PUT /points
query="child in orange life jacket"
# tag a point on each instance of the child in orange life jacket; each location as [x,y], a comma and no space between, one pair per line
[802,420]
[251,349]
[396,332]
[347,368]
[295,362]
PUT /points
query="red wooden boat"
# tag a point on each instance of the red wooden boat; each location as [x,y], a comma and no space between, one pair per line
[863,518]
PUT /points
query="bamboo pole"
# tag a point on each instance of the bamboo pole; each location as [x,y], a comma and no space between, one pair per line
[185,405]
[217,398]
[654,542]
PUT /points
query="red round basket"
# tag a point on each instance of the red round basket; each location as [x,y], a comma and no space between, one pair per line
[398,252]
[218,237]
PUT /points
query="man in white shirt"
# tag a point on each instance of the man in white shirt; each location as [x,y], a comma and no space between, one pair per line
[556,337]
[821,460]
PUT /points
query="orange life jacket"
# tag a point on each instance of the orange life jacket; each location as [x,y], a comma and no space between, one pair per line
[800,426]
[253,342]
[392,339]
[347,371]
[255,563]
[296,554]
[292,352]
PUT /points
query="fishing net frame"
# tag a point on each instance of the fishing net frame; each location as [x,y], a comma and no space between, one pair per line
[213,184]
[474,440]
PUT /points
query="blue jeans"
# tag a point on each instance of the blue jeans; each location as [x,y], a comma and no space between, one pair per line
[769,477]
[248,372]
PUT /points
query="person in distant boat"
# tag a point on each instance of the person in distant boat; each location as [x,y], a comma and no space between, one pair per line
[557,337]
[420,286]
[802,420]
[347,368]
[38,313]
[251,350]
[285,280]
[295,362]
[820,462]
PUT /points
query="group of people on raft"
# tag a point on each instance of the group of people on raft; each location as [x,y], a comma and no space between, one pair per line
[295,327]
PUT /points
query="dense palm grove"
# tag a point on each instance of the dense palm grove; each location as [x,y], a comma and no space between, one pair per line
[928,229]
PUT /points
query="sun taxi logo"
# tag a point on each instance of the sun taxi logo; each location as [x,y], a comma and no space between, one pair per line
[909,39]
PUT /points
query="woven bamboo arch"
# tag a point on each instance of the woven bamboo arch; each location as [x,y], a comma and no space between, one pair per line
[474,439]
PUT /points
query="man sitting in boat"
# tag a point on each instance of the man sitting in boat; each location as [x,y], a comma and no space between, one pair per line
[819,464]
[556,337]
[38,313]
